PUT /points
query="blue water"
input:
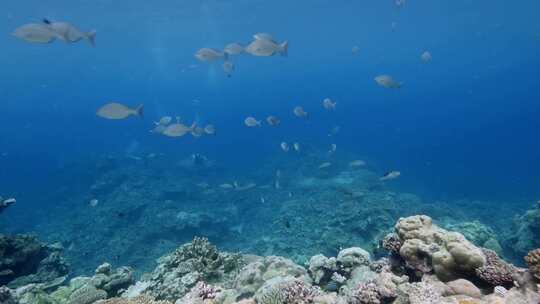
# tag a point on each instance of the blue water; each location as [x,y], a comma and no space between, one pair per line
[463,126]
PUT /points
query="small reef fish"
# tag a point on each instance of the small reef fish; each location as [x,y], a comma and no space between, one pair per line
[357,163]
[355,50]
[177,130]
[284,146]
[388,82]
[329,104]
[252,122]
[325,165]
[93,202]
[300,112]
[70,33]
[234,48]
[263,36]
[273,120]
[266,48]
[210,130]
[426,57]
[197,132]
[208,54]
[390,175]
[35,33]
[228,68]
[296,147]
[116,110]
[333,148]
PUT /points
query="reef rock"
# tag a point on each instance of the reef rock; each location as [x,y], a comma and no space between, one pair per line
[427,248]
[24,260]
[533,261]
[495,271]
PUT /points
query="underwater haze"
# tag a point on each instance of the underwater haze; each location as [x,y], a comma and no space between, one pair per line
[462,129]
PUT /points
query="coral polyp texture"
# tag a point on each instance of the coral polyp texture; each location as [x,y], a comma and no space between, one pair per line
[533,261]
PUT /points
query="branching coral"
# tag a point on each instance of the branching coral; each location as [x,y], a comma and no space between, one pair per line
[365,293]
[533,261]
[286,291]
[142,299]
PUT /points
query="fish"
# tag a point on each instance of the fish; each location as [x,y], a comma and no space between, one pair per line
[263,200]
[226,186]
[284,146]
[158,129]
[210,130]
[334,131]
[208,54]
[277,184]
[266,48]
[252,122]
[234,48]
[399,3]
[325,165]
[35,33]
[333,148]
[300,112]
[388,82]
[165,120]
[177,130]
[116,110]
[197,132]
[263,36]
[355,49]
[93,202]
[69,33]
[273,120]
[329,104]
[357,163]
[390,175]
[296,147]
[426,57]
[244,187]
[228,68]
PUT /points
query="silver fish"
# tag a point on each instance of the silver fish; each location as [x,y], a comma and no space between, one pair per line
[265,48]
[390,175]
[426,57]
[388,82]
[116,110]
[329,104]
[35,33]
[252,122]
[234,48]
[69,33]
[300,112]
[263,36]
[208,54]
[178,130]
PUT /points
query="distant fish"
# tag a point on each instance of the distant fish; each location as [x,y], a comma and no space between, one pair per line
[234,48]
[210,130]
[334,131]
[357,163]
[197,132]
[390,175]
[203,185]
[165,120]
[300,112]
[426,57]
[265,48]
[158,129]
[69,33]
[208,54]
[333,148]
[252,122]
[119,111]
[263,36]
[245,187]
[296,147]
[399,3]
[262,200]
[355,50]
[388,82]
[177,130]
[93,202]
[277,184]
[328,104]
[226,186]
[273,120]
[228,68]
[35,33]
[284,146]
[325,165]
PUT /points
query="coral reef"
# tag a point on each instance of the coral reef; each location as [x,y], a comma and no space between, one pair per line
[495,271]
[525,234]
[144,299]
[428,248]
[533,261]
[24,260]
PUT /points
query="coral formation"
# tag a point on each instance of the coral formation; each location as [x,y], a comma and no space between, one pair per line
[427,248]
[286,290]
[495,271]
[533,261]
[24,260]
[143,299]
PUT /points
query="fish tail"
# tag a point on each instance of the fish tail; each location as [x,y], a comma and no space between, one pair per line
[91,37]
[139,111]
[284,49]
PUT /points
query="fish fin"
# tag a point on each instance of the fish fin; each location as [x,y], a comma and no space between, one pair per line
[284,49]
[46,21]
[91,37]
[139,111]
